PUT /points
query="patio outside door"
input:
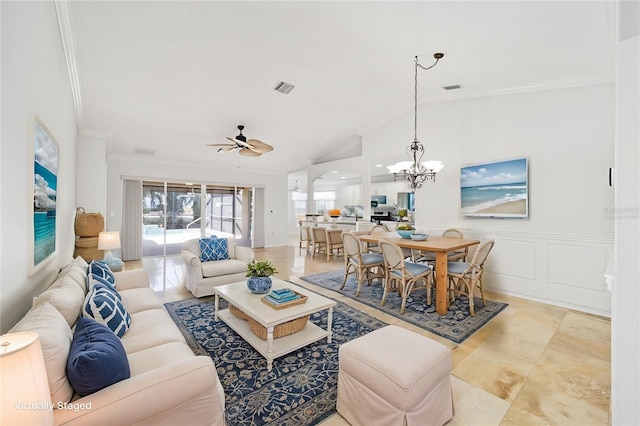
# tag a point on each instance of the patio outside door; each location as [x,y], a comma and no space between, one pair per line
[176,212]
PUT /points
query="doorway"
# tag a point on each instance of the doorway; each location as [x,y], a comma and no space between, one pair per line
[175,212]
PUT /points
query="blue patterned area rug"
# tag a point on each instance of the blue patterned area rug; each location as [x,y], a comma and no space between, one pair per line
[299,390]
[457,325]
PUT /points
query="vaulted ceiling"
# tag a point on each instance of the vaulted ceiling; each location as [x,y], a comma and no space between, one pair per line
[170,77]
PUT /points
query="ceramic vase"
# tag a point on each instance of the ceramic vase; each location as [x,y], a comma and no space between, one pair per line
[259,285]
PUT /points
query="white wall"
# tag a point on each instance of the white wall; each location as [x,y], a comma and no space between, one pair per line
[275,196]
[34,84]
[558,255]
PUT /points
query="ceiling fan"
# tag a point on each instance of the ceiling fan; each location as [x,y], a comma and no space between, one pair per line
[251,147]
[296,188]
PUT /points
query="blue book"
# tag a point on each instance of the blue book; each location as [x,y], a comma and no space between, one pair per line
[281,294]
[269,298]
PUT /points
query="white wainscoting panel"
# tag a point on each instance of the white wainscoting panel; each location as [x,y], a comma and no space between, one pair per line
[561,270]
[577,265]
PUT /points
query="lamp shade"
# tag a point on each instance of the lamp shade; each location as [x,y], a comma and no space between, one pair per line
[109,240]
[25,389]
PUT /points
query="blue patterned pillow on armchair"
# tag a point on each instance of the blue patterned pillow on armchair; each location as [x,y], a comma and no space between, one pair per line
[213,249]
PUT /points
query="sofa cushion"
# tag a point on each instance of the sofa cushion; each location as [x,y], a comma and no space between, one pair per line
[104,306]
[149,329]
[158,356]
[66,296]
[213,249]
[102,270]
[97,358]
[223,267]
[139,299]
[76,271]
[55,339]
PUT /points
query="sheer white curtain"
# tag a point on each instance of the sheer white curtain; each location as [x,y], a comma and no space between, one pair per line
[258,217]
[132,220]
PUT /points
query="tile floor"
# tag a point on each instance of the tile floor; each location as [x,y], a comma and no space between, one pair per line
[534,364]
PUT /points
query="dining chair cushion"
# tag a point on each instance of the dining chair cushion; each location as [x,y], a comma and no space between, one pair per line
[414,269]
[457,267]
[369,259]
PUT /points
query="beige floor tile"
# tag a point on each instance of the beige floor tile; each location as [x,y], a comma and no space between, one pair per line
[518,417]
[474,406]
[555,407]
[498,379]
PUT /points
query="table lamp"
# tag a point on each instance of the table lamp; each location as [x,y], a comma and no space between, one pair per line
[26,399]
[108,241]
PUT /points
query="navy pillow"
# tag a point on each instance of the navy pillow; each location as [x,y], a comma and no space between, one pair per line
[97,358]
[213,249]
[102,270]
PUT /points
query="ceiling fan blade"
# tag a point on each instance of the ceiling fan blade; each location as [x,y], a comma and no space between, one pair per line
[249,153]
[226,150]
[238,142]
[219,144]
[259,146]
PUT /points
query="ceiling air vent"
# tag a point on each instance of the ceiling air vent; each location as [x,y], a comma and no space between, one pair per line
[283,87]
[452,87]
[144,151]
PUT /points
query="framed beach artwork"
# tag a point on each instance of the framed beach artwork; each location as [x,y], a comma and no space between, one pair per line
[45,188]
[496,190]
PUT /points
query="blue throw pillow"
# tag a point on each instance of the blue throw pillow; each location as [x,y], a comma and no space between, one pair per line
[96,359]
[104,306]
[102,270]
[94,280]
[213,249]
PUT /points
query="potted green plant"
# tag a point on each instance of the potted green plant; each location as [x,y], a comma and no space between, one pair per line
[259,273]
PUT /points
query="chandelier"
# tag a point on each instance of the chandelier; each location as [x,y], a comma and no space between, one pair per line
[416,172]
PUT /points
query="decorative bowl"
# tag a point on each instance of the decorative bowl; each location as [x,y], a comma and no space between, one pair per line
[419,237]
[259,285]
[406,233]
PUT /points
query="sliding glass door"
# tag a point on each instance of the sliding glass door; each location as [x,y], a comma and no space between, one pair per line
[173,213]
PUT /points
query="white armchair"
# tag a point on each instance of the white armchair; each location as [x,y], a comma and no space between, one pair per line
[201,277]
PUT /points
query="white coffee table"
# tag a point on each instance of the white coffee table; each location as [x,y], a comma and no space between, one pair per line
[239,295]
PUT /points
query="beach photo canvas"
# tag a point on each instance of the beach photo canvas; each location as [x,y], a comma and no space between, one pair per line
[45,184]
[498,189]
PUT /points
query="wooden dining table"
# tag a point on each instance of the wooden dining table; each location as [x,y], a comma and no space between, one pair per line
[438,245]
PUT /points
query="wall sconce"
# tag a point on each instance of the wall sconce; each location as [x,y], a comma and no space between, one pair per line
[26,399]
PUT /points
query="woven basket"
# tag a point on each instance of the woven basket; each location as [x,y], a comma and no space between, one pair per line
[88,224]
[89,253]
[237,312]
[86,242]
[279,330]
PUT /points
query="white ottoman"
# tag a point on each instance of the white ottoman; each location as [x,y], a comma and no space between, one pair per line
[393,376]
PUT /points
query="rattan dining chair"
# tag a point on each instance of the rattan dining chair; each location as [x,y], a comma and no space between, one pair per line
[373,247]
[464,277]
[457,255]
[363,265]
[318,240]
[305,239]
[403,276]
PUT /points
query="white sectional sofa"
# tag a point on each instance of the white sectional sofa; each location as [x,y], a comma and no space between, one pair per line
[202,276]
[168,384]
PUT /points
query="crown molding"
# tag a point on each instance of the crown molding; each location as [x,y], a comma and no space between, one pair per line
[67,36]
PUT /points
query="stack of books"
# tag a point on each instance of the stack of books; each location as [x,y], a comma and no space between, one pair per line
[279,297]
